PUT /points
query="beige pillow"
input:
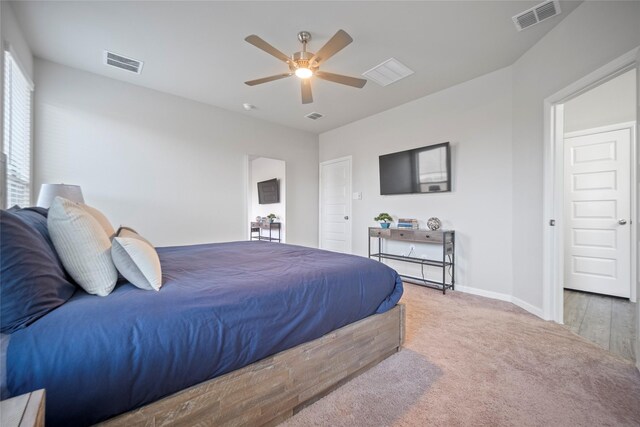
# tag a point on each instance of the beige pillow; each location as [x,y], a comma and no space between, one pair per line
[99,216]
[136,259]
[83,246]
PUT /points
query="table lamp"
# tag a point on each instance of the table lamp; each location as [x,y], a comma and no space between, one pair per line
[48,192]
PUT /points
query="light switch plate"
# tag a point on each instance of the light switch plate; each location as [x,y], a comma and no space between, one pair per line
[357,195]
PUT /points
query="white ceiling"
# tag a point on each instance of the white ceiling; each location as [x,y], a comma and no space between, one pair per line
[197,49]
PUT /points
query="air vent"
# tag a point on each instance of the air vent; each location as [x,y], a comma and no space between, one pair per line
[536,14]
[314,116]
[526,19]
[390,71]
[122,62]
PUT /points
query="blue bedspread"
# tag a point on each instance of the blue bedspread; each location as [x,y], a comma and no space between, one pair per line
[222,307]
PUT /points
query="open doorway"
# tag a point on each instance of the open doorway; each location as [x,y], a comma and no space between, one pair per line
[596,181]
[266,195]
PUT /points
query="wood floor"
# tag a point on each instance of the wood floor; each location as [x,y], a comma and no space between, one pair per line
[606,321]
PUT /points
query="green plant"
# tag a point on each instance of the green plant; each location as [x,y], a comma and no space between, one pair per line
[272,216]
[383,217]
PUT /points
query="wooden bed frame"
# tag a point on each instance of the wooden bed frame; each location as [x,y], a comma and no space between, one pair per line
[273,389]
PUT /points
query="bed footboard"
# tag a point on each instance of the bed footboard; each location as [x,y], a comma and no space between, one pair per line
[273,389]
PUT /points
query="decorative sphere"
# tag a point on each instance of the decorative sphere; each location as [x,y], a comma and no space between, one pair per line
[434,223]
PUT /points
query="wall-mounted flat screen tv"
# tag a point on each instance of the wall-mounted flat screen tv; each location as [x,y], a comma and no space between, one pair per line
[269,192]
[421,170]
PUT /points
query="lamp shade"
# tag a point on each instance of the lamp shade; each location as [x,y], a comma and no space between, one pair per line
[48,192]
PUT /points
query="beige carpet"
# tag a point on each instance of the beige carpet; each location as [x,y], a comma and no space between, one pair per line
[472,361]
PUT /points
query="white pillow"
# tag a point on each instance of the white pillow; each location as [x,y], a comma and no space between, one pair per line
[83,246]
[136,259]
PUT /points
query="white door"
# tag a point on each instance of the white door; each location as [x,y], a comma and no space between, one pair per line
[597,182]
[335,205]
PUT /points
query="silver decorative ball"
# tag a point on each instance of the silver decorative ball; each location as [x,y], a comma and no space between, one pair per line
[434,223]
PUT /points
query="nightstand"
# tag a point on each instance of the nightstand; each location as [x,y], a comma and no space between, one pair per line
[26,410]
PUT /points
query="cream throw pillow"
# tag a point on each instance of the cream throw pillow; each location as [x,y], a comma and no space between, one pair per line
[83,246]
[136,259]
[99,216]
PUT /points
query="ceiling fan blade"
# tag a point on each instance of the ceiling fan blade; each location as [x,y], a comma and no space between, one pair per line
[339,41]
[261,44]
[307,98]
[339,78]
[267,79]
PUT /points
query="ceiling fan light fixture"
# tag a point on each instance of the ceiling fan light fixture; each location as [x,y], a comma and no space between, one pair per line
[305,64]
[304,73]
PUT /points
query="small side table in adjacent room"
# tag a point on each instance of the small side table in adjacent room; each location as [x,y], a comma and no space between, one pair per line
[255,231]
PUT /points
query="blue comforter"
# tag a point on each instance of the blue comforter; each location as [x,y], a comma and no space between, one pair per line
[221,307]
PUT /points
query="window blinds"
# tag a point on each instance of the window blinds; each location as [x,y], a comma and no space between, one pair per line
[17,133]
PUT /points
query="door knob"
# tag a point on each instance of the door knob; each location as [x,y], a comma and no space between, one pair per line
[346,217]
[622,221]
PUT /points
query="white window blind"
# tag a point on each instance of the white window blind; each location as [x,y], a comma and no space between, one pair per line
[17,132]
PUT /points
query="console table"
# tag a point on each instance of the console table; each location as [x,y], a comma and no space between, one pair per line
[445,238]
[257,227]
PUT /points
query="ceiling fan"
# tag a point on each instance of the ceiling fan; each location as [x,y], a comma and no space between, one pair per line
[307,64]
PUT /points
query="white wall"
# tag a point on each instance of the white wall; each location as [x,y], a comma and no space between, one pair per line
[262,169]
[638,208]
[594,34]
[10,34]
[475,117]
[172,168]
[608,104]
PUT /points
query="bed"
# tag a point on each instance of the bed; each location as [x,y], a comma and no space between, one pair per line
[257,320]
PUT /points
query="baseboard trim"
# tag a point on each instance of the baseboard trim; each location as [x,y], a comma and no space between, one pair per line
[529,307]
[536,311]
[484,293]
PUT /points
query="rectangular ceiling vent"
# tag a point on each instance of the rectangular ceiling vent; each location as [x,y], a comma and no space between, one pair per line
[536,14]
[314,116]
[122,62]
[390,71]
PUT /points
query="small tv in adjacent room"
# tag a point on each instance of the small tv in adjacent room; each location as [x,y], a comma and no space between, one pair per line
[269,192]
[420,170]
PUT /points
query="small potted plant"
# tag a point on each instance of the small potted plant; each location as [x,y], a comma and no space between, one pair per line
[272,217]
[385,219]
